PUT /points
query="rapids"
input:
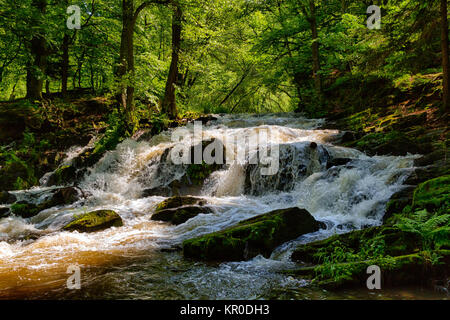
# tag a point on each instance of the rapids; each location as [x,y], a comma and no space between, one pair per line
[136,261]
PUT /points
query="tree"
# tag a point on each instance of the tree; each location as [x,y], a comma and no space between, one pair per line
[39,52]
[125,71]
[169,101]
[445,58]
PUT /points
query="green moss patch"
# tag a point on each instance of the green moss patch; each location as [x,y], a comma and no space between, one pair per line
[259,235]
[433,194]
[95,221]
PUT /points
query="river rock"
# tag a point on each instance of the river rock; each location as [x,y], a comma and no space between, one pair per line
[249,238]
[177,202]
[4,212]
[336,162]
[95,221]
[180,215]
[7,198]
[25,210]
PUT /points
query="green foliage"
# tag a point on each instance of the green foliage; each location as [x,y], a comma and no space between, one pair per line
[434,229]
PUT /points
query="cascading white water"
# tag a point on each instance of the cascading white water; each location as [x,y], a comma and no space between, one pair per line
[344,197]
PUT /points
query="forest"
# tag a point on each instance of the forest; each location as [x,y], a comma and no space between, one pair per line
[355,100]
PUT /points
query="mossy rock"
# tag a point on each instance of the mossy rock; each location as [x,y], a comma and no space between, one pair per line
[62,176]
[10,174]
[7,198]
[25,210]
[432,194]
[177,202]
[413,269]
[180,215]
[95,221]
[397,242]
[4,212]
[259,235]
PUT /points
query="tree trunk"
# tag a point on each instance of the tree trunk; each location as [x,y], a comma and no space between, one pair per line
[315,48]
[445,58]
[169,102]
[38,49]
[126,61]
[65,65]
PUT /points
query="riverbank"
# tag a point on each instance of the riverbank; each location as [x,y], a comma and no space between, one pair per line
[412,246]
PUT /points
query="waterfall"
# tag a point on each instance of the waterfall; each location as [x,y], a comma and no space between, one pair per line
[345,197]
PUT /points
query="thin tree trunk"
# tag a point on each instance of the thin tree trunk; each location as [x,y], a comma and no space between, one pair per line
[65,65]
[169,102]
[445,58]
[126,64]
[315,48]
[38,49]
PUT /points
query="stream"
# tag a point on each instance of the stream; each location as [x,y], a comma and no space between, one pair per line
[137,261]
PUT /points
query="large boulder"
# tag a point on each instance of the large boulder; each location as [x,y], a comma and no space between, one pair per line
[95,221]
[259,235]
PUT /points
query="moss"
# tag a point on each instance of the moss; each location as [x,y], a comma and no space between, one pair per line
[259,235]
[176,202]
[420,268]
[432,194]
[397,242]
[25,210]
[95,221]
[63,175]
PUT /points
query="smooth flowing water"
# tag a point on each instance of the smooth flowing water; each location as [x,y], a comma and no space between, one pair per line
[136,261]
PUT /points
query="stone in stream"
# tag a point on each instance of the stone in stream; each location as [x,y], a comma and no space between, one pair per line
[63,196]
[177,202]
[336,162]
[7,198]
[180,215]
[4,212]
[178,210]
[249,238]
[95,221]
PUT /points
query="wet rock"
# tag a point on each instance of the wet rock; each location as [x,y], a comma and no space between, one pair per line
[259,235]
[7,198]
[157,192]
[206,119]
[25,210]
[177,202]
[63,196]
[338,162]
[180,215]
[62,176]
[296,161]
[4,212]
[95,221]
